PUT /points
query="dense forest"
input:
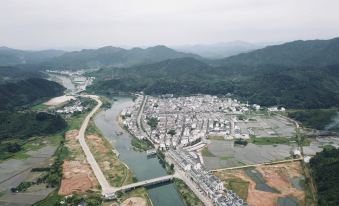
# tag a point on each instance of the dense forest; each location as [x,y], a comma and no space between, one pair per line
[305,87]
[325,167]
[28,124]
[14,74]
[26,92]
[16,129]
[315,118]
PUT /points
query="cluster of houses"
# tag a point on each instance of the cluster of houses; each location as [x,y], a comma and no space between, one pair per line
[71,109]
[130,116]
[185,121]
[208,183]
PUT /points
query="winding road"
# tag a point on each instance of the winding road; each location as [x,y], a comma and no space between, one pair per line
[105,186]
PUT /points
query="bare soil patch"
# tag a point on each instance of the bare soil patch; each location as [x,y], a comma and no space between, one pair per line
[58,100]
[134,201]
[276,176]
[114,170]
[77,176]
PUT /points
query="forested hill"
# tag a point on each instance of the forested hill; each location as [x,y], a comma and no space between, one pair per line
[302,87]
[26,92]
[14,74]
[115,56]
[325,167]
[292,54]
[10,57]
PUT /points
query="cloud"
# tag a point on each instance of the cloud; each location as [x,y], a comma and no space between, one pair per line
[93,23]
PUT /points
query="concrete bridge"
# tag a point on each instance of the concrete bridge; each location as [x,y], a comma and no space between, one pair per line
[110,193]
[145,183]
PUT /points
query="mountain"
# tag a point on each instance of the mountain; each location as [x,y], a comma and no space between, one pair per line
[14,74]
[27,92]
[10,57]
[262,77]
[220,50]
[292,54]
[115,56]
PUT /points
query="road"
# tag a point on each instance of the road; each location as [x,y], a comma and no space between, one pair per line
[139,123]
[180,174]
[106,188]
[145,183]
[255,165]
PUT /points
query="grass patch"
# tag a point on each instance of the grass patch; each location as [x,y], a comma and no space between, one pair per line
[186,193]
[39,107]
[206,153]
[270,140]
[51,199]
[114,170]
[75,121]
[141,145]
[225,157]
[216,137]
[239,186]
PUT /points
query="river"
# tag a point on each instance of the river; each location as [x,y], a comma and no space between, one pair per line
[142,167]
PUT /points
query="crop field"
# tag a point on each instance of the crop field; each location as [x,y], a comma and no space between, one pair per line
[223,153]
[268,126]
[317,144]
[15,171]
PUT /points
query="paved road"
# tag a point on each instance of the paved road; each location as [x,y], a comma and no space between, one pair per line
[255,165]
[106,188]
[180,174]
[139,122]
[145,183]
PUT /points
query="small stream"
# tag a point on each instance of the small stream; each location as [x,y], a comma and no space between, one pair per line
[142,167]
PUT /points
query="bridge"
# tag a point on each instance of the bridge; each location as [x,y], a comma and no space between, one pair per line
[145,183]
[110,193]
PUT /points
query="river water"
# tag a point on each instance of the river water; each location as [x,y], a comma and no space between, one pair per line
[142,167]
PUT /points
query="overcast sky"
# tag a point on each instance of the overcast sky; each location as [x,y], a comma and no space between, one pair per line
[40,24]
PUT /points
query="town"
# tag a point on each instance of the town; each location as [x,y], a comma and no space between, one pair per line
[185,121]
[179,126]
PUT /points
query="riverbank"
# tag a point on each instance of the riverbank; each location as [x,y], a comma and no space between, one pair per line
[142,166]
[138,145]
[115,171]
[186,193]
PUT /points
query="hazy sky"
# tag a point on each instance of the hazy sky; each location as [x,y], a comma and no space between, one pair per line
[39,24]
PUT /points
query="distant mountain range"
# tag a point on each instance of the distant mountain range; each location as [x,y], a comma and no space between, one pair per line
[10,57]
[221,50]
[296,53]
[300,74]
[115,56]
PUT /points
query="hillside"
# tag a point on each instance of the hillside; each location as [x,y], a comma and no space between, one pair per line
[219,50]
[27,92]
[292,54]
[13,74]
[325,166]
[115,56]
[10,57]
[303,87]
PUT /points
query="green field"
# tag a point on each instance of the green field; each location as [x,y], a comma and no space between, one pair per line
[186,193]
[270,140]
[239,186]
[206,153]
